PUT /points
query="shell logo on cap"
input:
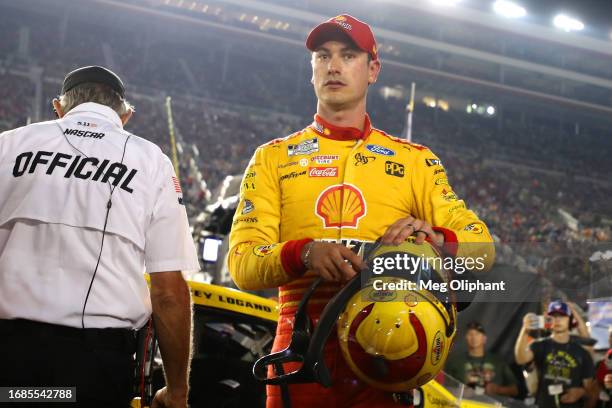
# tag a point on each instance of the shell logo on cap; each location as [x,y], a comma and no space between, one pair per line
[341,21]
[340,205]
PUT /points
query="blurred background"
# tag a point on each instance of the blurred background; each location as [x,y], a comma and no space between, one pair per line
[516,99]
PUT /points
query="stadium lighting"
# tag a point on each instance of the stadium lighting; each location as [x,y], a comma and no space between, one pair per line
[445,2]
[491,110]
[567,23]
[509,9]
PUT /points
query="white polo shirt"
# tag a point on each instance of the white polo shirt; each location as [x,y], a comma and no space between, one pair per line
[53,199]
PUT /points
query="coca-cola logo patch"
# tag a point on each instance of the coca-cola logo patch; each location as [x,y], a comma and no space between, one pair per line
[323,172]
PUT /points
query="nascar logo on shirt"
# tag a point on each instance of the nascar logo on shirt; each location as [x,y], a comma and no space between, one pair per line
[84,133]
[306,147]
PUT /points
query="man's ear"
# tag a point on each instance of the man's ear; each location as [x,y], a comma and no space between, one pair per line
[57,107]
[373,71]
[312,68]
[126,117]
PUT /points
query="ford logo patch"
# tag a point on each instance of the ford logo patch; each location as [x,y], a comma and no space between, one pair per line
[380,150]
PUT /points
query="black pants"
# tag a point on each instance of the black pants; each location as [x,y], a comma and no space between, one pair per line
[98,362]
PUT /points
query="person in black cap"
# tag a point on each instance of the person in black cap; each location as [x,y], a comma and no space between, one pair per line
[484,372]
[93,84]
[85,208]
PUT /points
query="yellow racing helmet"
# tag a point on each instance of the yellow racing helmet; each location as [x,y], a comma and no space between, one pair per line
[396,332]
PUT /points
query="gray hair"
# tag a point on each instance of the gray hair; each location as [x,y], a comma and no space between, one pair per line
[94,92]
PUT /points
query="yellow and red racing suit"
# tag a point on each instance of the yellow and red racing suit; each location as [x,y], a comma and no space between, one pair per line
[341,185]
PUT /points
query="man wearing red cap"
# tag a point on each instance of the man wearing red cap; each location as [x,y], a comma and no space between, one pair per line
[311,202]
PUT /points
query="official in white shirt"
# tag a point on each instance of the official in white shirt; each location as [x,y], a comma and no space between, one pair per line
[85,208]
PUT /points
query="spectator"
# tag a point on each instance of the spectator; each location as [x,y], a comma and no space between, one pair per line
[484,372]
[601,391]
[564,368]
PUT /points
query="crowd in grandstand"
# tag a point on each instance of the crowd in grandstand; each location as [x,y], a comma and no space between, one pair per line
[543,190]
[516,175]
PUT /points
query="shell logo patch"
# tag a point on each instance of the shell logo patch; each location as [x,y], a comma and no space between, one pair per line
[341,206]
[341,21]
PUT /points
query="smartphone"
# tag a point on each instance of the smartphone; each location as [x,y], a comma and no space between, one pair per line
[538,322]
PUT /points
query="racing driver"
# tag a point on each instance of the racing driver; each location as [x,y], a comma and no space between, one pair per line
[310,201]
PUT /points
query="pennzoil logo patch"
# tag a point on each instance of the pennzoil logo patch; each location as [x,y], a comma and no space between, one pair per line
[263,250]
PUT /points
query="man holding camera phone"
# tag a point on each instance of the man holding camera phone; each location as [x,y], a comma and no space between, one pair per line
[564,368]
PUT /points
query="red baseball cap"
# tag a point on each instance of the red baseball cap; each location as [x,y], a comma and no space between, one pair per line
[358,31]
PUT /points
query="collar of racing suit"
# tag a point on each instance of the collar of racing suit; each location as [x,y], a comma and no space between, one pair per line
[330,131]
